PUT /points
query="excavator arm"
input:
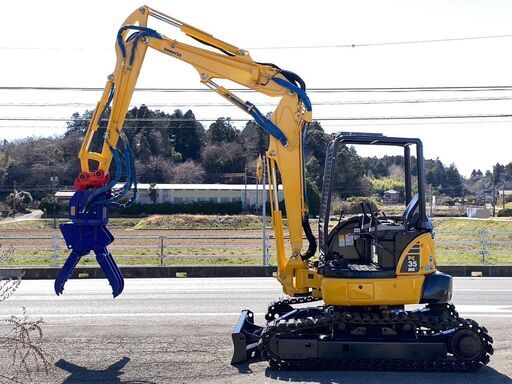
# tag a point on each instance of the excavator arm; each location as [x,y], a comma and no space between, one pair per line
[286,127]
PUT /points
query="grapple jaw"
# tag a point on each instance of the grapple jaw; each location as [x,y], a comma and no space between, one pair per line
[87,232]
[246,337]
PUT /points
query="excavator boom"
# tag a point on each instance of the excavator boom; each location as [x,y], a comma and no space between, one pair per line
[286,127]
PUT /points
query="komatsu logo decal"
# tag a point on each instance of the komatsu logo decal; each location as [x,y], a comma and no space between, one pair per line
[174,53]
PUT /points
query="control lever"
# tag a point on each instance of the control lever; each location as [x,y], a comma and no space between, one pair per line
[365,215]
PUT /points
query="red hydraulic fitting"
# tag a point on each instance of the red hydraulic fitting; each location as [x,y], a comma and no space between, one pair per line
[88,180]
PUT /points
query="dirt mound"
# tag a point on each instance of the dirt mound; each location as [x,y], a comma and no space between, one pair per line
[199,222]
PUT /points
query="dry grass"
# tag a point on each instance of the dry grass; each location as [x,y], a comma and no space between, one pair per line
[199,222]
[22,343]
[22,339]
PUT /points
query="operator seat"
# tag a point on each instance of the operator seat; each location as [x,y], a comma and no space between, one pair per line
[411,214]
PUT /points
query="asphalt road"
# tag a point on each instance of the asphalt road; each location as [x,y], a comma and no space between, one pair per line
[178,331]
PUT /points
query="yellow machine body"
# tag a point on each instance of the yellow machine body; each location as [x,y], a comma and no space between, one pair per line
[405,288]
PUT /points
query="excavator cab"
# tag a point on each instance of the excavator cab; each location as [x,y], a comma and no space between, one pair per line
[393,258]
[369,244]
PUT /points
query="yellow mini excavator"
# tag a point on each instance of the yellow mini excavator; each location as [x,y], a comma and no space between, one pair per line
[370,265]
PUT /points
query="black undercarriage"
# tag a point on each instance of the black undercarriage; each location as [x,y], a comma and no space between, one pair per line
[432,338]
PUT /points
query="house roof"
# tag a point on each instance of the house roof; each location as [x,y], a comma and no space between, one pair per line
[183,187]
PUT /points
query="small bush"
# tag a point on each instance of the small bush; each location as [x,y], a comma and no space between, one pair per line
[507,212]
[49,205]
[354,203]
[351,205]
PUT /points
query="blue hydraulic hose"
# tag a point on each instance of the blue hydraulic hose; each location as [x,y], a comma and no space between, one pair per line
[144,31]
[302,94]
[132,179]
[266,124]
[126,187]
[262,121]
[111,184]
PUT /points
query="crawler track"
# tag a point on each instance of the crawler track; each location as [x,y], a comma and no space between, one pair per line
[439,322]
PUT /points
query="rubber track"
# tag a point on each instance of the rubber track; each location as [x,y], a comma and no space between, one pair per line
[427,321]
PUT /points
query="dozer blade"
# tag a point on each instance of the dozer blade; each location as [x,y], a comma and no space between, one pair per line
[246,337]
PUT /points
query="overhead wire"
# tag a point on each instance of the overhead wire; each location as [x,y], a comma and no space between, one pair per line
[478,88]
[316,46]
[331,118]
[386,43]
[268,104]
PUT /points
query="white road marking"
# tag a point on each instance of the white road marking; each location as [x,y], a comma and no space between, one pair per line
[484,308]
[481,290]
[157,314]
[483,315]
[464,310]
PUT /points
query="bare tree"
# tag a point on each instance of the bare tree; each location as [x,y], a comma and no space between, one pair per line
[22,340]
[188,172]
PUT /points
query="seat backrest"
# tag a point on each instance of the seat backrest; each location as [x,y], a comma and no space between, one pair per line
[412,213]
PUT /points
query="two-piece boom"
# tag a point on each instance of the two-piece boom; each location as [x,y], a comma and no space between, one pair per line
[286,128]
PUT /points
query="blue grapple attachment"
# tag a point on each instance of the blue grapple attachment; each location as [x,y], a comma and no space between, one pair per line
[89,214]
[88,232]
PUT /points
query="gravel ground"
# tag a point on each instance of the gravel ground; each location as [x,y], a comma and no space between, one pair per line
[178,331]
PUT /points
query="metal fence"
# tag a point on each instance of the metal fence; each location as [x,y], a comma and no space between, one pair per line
[146,249]
[483,247]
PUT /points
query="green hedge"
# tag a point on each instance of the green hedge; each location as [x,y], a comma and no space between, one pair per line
[204,207]
[507,212]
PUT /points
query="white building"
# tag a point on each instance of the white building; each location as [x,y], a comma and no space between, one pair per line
[191,193]
[477,212]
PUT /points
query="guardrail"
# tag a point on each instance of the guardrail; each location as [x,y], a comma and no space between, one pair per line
[482,247]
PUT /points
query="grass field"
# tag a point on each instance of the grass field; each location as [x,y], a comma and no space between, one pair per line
[228,240]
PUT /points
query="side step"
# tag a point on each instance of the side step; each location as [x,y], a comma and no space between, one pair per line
[246,337]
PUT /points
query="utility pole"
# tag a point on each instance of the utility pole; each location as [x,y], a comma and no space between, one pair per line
[264,212]
[503,196]
[429,199]
[54,180]
[14,200]
[494,191]
[245,187]
[257,190]
[463,200]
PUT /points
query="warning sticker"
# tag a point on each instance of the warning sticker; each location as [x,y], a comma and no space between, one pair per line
[346,239]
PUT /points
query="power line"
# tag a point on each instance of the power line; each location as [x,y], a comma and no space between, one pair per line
[337,118]
[326,124]
[409,123]
[479,88]
[402,42]
[345,45]
[333,103]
